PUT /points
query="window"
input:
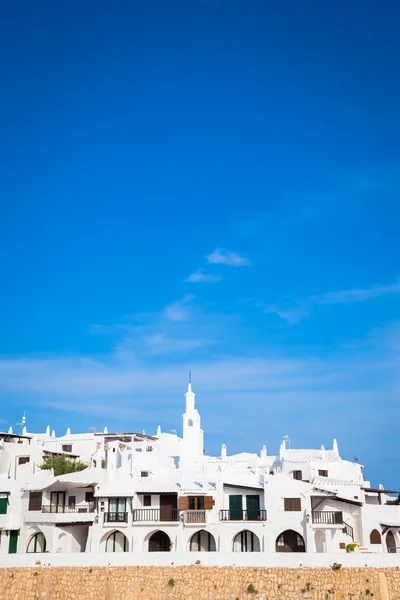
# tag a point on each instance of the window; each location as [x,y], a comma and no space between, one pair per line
[72,502]
[22,460]
[149,449]
[35,501]
[66,447]
[190,423]
[298,475]
[342,546]
[116,542]
[292,504]
[147,500]
[322,473]
[37,543]
[117,505]
[144,473]
[89,497]
[196,502]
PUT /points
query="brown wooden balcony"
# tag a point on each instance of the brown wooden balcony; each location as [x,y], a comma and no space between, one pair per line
[194,516]
[155,515]
[327,517]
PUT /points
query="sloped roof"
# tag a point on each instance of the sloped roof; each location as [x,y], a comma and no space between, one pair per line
[309,455]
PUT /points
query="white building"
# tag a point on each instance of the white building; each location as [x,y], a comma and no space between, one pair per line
[143,493]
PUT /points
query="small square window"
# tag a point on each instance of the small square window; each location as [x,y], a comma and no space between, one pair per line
[297,475]
[89,497]
[22,460]
[292,504]
[322,473]
[144,473]
[147,500]
[66,447]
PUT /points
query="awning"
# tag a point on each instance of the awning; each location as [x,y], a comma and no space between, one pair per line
[244,487]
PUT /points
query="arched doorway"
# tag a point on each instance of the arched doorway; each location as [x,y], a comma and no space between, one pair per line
[116,542]
[391,542]
[319,538]
[159,542]
[290,541]
[202,541]
[246,541]
[375,537]
[37,543]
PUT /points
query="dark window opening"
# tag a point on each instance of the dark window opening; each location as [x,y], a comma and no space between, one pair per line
[292,504]
[196,502]
[147,500]
[322,473]
[66,447]
[297,475]
[35,501]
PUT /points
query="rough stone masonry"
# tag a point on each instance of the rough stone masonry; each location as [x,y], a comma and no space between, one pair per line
[198,583]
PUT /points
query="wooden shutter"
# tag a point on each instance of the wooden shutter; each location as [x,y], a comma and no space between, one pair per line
[3,506]
[183,503]
[208,502]
[297,475]
[292,504]
[35,501]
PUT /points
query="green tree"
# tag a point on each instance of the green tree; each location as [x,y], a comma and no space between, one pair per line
[63,465]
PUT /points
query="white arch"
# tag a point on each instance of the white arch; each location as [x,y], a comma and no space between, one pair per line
[246,541]
[114,541]
[37,542]
[202,541]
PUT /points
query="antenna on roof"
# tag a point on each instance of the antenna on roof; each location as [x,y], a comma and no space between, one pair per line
[190,376]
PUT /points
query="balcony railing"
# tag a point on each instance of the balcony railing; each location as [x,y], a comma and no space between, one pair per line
[243,515]
[115,517]
[155,514]
[327,517]
[60,508]
[194,516]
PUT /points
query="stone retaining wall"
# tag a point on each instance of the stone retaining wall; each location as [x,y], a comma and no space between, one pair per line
[198,583]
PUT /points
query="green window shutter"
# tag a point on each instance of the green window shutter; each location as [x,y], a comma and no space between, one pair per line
[3,506]
[235,508]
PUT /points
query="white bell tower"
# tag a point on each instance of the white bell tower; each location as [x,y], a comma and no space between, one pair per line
[193,435]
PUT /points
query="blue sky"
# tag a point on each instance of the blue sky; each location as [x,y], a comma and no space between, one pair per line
[203,185]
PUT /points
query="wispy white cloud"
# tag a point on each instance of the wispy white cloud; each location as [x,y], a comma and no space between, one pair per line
[356,294]
[160,343]
[225,257]
[179,311]
[200,276]
[294,314]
